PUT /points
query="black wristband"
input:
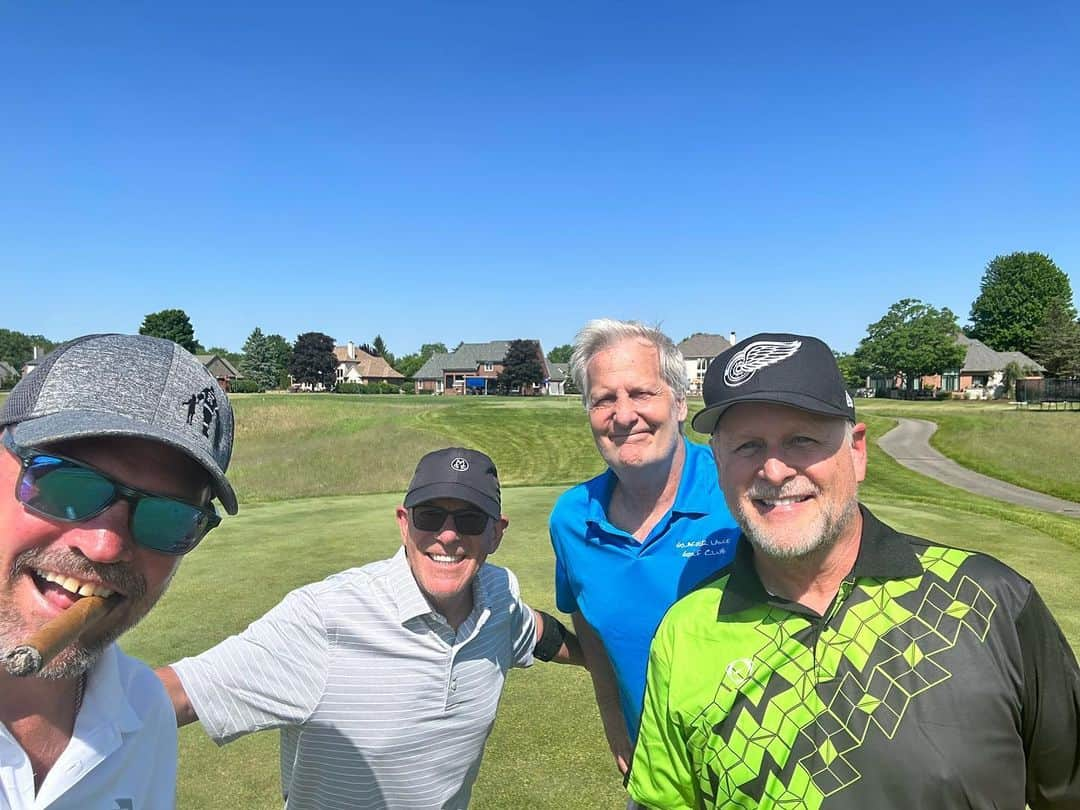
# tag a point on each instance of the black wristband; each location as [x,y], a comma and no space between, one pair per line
[551,640]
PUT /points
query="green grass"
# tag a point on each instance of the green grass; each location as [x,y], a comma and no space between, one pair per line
[297,445]
[1037,449]
[547,748]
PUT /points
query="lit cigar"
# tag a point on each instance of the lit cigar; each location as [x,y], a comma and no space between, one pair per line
[32,655]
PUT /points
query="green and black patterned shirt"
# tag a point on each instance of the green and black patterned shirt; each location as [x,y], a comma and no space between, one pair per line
[937,679]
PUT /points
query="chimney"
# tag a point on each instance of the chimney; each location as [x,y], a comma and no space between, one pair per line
[36,350]
[350,350]
[731,339]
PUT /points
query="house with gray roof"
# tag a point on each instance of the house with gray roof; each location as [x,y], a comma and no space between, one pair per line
[559,373]
[471,368]
[698,351]
[222,370]
[979,377]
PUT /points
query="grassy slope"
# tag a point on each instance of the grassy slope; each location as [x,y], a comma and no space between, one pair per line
[547,749]
[1036,449]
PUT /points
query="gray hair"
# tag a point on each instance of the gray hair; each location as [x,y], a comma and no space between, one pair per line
[601,333]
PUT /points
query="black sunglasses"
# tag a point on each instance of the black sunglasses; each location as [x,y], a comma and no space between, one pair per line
[466,521]
[64,489]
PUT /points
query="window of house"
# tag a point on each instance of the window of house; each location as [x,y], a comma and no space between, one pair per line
[489,366]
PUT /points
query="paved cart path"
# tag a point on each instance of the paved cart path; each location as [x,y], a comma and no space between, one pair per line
[909,443]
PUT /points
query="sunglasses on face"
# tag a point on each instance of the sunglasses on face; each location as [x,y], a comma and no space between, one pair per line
[466,521]
[67,490]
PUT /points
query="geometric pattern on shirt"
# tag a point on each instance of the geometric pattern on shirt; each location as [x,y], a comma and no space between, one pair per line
[781,735]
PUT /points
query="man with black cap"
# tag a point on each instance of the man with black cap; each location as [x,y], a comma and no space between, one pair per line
[384,679]
[103,486]
[837,663]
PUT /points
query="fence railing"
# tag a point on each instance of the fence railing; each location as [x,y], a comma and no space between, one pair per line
[1048,390]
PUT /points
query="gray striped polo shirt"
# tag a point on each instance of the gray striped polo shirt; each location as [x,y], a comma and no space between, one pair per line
[380,703]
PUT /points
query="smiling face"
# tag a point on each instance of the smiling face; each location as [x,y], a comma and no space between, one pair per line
[46,565]
[790,477]
[444,562]
[633,414]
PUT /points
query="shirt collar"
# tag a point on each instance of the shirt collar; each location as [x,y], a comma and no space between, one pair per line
[690,499]
[411,601]
[884,553]
[105,701]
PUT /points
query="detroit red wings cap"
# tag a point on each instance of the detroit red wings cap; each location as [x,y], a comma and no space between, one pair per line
[794,370]
[126,385]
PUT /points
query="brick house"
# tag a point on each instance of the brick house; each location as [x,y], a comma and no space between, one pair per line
[222,370]
[471,368]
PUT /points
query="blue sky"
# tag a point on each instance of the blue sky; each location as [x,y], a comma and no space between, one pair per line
[473,171]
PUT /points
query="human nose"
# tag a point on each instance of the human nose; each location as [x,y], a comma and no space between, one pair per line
[624,411]
[775,470]
[104,538]
[448,526]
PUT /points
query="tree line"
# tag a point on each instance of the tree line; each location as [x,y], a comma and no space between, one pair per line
[1025,304]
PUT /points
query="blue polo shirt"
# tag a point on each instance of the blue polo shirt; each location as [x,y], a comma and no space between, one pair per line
[622,587]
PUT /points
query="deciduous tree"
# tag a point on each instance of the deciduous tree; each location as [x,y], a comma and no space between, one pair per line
[313,362]
[560,354]
[1056,342]
[409,364]
[17,348]
[174,325]
[912,339]
[521,367]
[1014,294]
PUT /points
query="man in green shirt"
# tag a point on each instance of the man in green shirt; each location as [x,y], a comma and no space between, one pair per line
[836,663]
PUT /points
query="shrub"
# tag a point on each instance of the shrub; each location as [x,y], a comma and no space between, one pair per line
[245,385]
[351,388]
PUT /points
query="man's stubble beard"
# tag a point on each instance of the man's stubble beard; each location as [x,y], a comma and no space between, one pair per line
[821,536]
[79,657]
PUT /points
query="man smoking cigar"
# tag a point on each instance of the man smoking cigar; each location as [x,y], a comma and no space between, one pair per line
[103,487]
[384,679]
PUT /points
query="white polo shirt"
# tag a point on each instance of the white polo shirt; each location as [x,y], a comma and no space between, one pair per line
[380,703]
[122,752]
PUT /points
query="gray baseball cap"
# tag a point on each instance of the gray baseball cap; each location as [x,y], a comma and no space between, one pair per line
[126,385]
[457,472]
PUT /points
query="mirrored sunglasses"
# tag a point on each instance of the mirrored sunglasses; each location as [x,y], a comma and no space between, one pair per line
[466,521]
[64,489]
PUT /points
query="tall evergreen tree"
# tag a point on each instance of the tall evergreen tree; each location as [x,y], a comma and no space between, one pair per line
[1056,342]
[257,360]
[281,353]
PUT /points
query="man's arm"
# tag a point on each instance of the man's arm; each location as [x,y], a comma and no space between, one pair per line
[185,712]
[1051,710]
[556,642]
[607,692]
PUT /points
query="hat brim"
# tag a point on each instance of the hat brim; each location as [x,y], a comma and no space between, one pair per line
[456,490]
[69,425]
[706,419]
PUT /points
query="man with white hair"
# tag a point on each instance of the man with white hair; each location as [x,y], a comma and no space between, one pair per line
[838,664]
[632,540]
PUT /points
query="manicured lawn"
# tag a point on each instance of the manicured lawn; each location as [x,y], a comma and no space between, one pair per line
[547,748]
[1036,449]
